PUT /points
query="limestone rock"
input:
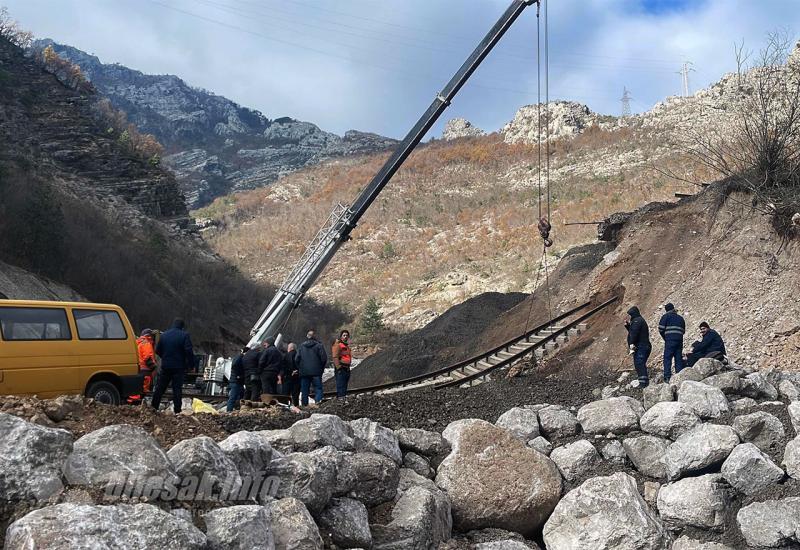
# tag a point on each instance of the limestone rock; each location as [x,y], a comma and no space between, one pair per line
[605,513]
[239,528]
[307,477]
[791,458]
[419,464]
[423,442]
[772,524]
[542,445]
[415,523]
[62,406]
[694,502]
[657,393]
[757,386]
[494,480]
[507,544]
[575,459]
[743,405]
[373,438]
[692,374]
[133,527]
[566,118]
[441,522]
[558,422]
[699,448]
[292,526]
[617,415]
[368,477]
[788,390]
[346,522]
[117,453]
[614,452]
[202,458]
[794,416]
[669,419]
[708,367]
[32,458]
[706,401]
[685,543]
[647,454]
[748,470]
[459,128]
[762,429]
[521,422]
[321,430]
[728,382]
[250,452]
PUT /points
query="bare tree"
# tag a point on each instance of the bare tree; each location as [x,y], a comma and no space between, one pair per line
[10,30]
[759,146]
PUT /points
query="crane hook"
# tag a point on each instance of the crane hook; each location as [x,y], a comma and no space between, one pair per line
[544,230]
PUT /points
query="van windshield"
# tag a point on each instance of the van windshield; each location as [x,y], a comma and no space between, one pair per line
[34,323]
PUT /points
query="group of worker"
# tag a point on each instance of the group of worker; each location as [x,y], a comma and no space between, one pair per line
[672,328]
[290,371]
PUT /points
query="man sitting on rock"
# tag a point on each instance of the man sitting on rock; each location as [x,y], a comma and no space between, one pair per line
[710,346]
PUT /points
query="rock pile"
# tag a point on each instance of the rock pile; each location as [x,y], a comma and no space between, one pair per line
[459,128]
[689,466]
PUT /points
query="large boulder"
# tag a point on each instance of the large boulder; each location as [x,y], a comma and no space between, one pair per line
[703,446]
[292,526]
[441,525]
[729,383]
[133,527]
[202,459]
[614,452]
[32,459]
[706,367]
[791,458]
[494,480]
[694,502]
[542,445]
[748,470]
[605,513]
[368,477]
[685,543]
[575,460]
[413,525]
[308,477]
[706,401]
[771,524]
[419,464]
[239,528]
[346,523]
[657,393]
[788,390]
[250,452]
[761,429]
[669,419]
[428,444]
[757,386]
[558,422]
[647,454]
[371,437]
[118,453]
[692,374]
[321,430]
[521,422]
[618,415]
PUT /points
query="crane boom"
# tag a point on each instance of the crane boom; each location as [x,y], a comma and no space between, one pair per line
[344,219]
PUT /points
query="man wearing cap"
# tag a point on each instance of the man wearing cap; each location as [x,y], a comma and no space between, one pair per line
[672,327]
[711,345]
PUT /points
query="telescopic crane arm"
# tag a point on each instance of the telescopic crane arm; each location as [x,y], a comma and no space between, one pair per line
[344,219]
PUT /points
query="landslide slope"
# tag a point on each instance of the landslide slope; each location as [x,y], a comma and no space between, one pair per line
[80,209]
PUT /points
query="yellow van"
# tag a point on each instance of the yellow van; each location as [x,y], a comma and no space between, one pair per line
[49,349]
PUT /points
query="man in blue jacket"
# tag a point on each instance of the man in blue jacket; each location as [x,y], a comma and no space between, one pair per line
[177,356]
[672,327]
[311,360]
[710,346]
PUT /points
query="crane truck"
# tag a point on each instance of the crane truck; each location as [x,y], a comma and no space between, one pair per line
[344,218]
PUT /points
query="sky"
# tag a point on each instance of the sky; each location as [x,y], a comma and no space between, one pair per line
[376,65]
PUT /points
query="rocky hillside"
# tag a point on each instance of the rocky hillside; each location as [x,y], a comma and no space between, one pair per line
[709,461]
[83,211]
[214,146]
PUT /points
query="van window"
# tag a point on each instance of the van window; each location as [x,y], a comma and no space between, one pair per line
[97,324]
[34,323]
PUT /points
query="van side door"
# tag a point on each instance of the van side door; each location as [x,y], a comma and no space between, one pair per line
[106,343]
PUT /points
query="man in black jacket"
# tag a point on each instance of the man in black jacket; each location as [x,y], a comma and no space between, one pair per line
[177,356]
[311,361]
[252,376]
[639,344]
[671,327]
[236,383]
[291,375]
[270,364]
[710,346]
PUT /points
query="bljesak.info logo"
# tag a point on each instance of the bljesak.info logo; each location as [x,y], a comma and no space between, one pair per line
[207,486]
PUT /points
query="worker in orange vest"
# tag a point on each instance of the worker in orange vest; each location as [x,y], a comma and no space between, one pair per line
[145,348]
[342,359]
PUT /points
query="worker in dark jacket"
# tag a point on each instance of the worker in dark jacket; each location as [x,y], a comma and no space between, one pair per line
[711,345]
[311,361]
[671,327]
[639,344]
[252,374]
[236,383]
[291,375]
[177,356]
[270,365]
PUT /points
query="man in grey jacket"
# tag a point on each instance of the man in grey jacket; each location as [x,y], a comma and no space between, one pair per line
[311,360]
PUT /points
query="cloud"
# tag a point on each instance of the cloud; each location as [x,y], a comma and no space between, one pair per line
[375,65]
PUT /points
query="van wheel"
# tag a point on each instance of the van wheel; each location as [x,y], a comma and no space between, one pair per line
[104,392]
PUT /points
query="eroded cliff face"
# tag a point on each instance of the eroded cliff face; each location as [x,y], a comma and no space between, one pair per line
[214,145]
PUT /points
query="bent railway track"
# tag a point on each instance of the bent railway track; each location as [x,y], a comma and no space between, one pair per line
[539,340]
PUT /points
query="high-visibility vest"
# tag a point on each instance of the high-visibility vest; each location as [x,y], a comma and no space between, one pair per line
[345,355]
[144,346]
